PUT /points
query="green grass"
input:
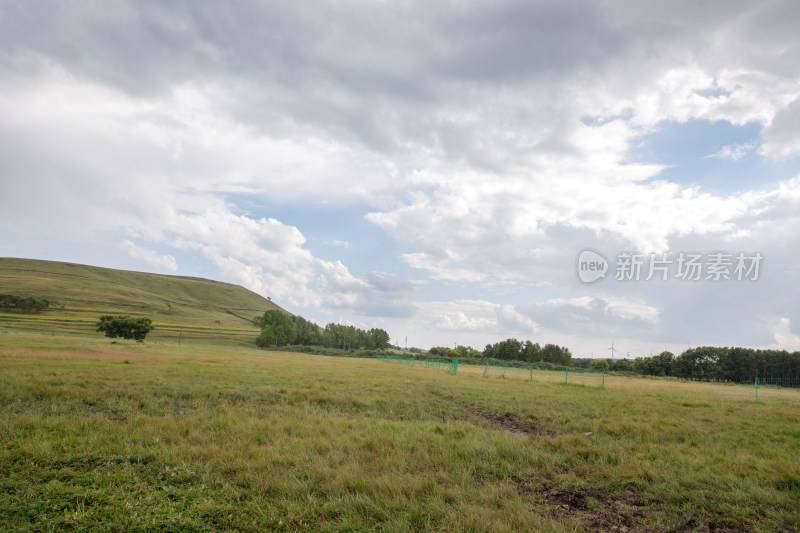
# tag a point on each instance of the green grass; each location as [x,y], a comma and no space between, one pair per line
[191,310]
[155,437]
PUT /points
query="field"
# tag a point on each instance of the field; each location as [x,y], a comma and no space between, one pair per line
[158,437]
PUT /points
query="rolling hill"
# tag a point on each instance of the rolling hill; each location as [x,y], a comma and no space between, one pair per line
[184,309]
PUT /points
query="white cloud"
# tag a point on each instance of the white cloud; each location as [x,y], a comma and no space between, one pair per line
[782,135]
[472,224]
[595,315]
[476,317]
[460,318]
[733,152]
[492,226]
[265,255]
[375,294]
[343,288]
[159,262]
[509,318]
[491,142]
[459,321]
[785,338]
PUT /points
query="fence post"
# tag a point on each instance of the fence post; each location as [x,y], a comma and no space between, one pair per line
[486,370]
[453,366]
[566,373]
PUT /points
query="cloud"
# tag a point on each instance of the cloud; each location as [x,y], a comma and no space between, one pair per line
[373,295]
[484,142]
[159,262]
[459,321]
[785,339]
[734,152]
[595,316]
[782,135]
[460,315]
[265,255]
[501,227]
[510,318]
[476,317]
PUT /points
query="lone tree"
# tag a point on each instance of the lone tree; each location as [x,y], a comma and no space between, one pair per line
[125,326]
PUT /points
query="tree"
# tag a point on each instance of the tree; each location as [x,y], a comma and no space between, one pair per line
[620,365]
[125,326]
[272,336]
[277,329]
[531,351]
[664,362]
[282,329]
[699,363]
[380,338]
[509,350]
[307,333]
[552,353]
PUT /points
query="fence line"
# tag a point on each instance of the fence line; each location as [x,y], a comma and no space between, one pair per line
[792,383]
[441,364]
[550,371]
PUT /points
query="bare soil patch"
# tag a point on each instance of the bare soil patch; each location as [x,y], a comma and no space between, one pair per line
[599,511]
[512,424]
[593,507]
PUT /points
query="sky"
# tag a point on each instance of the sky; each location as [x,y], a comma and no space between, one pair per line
[435,169]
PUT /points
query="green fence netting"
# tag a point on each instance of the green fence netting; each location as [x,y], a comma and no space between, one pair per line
[542,371]
[539,371]
[450,366]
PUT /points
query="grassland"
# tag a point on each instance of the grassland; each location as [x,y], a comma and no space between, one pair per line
[185,309]
[155,437]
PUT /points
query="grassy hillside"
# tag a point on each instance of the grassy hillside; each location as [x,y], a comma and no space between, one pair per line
[192,309]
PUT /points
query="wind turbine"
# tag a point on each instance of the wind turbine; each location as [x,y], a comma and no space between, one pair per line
[612,350]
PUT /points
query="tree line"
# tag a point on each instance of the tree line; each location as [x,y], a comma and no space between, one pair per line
[703,363]
[713,363]
[23,303]
[510,350]
[281,329]
[709,363]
